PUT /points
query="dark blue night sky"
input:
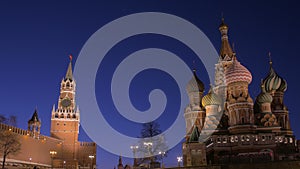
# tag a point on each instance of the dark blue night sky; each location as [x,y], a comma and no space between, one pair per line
[37,37]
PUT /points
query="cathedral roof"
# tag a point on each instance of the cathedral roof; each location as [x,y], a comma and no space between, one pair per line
[237,73]
[273,82]
[211,99]
[195,84]
[226,49]
[34,117]
[264,97]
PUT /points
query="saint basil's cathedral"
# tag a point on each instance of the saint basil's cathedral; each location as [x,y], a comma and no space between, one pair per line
[227,125]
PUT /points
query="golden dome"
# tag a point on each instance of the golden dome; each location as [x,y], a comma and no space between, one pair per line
[211,99]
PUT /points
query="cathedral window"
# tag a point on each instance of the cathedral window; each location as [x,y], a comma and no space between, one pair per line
[243,120]
[280,139]
[285,140]
[231,139]
[256,138]
[56,115]
[236,139]
[242,138]
[263,138]
[74,116]
[68,116]
[247,138]
[62,116]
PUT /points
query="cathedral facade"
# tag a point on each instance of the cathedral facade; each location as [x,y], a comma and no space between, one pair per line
[227,126]
[62,149]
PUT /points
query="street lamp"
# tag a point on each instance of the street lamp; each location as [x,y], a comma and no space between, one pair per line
[52,154]
[149,146]
[30,160]
[91,157]
[162,153]
[179,160]
[134,149]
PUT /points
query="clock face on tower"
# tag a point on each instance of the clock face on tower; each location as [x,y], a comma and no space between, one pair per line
[66,102]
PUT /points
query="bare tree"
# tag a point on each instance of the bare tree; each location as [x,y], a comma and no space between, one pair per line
[152,145]
[9,141]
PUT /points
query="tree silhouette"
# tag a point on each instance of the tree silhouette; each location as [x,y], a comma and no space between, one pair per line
[9,141]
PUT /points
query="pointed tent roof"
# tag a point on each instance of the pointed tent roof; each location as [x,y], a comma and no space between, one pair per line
[120,162]
[69,74]
[226,49]
[195,135]
[34,117]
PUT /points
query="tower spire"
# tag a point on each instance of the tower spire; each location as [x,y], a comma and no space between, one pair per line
[226,49]
[270,59]
[69,74]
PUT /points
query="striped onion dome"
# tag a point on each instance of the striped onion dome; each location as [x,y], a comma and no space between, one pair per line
[264,97]
[195,84]
[237,73]
[273,82]
[211,99]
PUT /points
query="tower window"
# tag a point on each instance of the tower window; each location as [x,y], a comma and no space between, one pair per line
[62,116]
[74,116]
[68,116]
[56,115]
[68,84]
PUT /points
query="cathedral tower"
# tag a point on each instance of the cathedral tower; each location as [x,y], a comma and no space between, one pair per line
[65,119]
[194,113]
[225,60]
[276,86]
[239,102]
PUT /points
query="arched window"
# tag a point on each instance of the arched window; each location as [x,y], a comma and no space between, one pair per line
[68,116]
[62,116]
[56,115]
[74,116]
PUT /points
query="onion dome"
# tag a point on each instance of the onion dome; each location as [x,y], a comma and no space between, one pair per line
[264,97]
[273,82]
[211,98]
[195,84]
[237,73]
[223,25]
